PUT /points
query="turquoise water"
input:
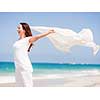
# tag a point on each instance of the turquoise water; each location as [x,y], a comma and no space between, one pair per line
[8,67]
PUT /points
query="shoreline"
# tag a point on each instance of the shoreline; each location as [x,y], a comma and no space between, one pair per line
[56,81]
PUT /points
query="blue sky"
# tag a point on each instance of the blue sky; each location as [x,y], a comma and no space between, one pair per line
[44,51]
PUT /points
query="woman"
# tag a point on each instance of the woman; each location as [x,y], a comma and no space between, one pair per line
[23,72]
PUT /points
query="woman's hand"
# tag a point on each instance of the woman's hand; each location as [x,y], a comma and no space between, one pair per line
[51,31]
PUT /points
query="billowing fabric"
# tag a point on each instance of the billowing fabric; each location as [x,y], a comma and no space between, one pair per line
[64,39]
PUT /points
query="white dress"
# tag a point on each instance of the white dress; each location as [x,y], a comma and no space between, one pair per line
[23,66]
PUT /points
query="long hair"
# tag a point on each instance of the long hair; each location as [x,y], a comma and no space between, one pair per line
[28,32]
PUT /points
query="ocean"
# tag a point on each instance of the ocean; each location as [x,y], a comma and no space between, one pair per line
[53,68]
[55,74]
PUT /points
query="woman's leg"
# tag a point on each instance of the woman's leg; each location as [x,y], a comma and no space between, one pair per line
[27,78]
[23,78]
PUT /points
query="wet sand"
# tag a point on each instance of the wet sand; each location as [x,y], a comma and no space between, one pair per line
[81,81]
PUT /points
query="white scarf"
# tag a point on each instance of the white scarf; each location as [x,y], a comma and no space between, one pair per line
[63,39]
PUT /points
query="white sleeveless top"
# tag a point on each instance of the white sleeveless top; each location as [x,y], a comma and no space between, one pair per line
[21,58]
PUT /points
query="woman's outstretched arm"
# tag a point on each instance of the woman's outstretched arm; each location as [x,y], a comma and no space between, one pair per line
[35,38]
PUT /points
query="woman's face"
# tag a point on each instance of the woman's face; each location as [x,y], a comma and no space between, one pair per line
[20,30]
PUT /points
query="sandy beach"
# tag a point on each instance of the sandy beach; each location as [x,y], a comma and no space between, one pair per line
[52,81]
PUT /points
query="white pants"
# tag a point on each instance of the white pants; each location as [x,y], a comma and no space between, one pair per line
[23,78]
